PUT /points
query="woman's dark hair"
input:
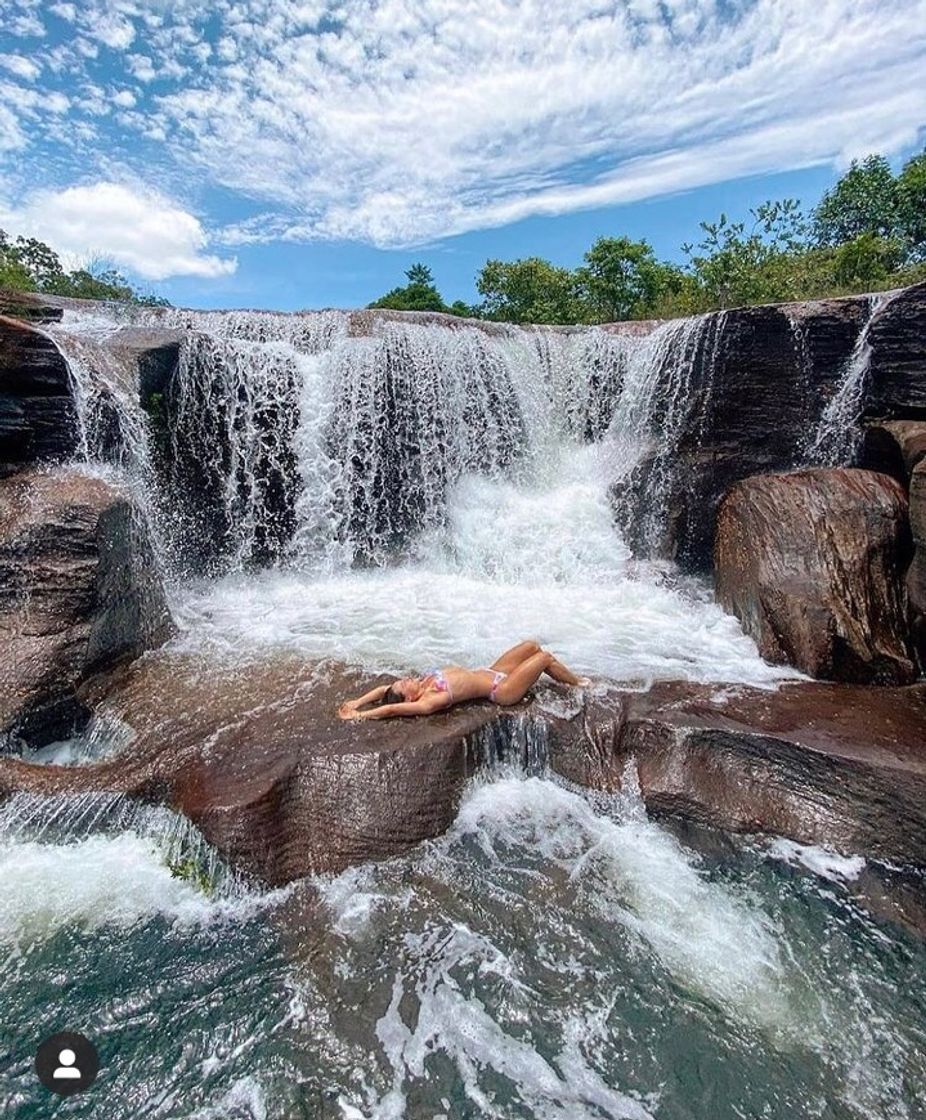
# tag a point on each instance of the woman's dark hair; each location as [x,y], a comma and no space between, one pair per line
[392,696]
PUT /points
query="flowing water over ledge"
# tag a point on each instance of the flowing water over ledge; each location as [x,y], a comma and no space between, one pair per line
[556,954]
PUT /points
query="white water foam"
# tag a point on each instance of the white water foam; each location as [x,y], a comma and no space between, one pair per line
[635,873]
[823,862]
[102,860]
[539,559]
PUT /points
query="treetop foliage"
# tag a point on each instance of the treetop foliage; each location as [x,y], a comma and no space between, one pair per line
[867,233]
[29,265]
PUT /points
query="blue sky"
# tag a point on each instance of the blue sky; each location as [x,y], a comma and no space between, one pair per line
[302,153]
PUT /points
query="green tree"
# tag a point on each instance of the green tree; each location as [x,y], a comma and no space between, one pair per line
[419,294]
[531,290]
[420,274]
[864,200]
[41,261]
[13,273]
[621,279]
[866,262]
[911,204]
[736,267]
[27,264]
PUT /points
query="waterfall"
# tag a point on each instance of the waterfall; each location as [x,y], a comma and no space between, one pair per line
[114,431]
[665,400]
[835,441]
[328,440]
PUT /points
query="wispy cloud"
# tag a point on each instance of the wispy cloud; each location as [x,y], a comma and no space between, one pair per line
[401,121]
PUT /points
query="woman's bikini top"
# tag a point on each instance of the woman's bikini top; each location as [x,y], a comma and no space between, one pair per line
[439,682]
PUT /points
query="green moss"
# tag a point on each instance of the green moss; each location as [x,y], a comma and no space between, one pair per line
[189,871]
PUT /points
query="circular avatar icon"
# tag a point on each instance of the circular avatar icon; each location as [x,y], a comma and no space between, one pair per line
[67,1063]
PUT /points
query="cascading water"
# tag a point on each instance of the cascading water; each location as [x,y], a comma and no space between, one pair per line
[836,439]
[436,491]
[422,493]
[666,393]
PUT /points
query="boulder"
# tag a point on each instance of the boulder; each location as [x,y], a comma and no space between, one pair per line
[893,447]
[38,421]
[79,592]
[916,575]
[812,564]
[841,766]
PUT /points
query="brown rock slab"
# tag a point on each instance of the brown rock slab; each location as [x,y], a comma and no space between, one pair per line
[78,593]
[841,766]
[812,564]
[256,756]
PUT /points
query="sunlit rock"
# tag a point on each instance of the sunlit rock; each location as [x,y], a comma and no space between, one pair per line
[812,564]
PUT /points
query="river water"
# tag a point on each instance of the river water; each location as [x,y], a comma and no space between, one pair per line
[556,954]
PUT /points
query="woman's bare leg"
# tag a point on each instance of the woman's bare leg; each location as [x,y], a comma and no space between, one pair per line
[515,656]
[519,681]
[558,671]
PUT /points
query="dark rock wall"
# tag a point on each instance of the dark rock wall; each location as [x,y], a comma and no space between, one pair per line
[897,369]
[38,420]
[764,391]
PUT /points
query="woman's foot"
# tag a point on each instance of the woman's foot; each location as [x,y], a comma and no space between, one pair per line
[583,682]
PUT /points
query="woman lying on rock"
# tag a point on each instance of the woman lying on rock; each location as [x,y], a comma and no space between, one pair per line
[505,682]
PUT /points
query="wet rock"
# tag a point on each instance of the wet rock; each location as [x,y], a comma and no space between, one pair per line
[840,766]
[893,447]
[38,422]
[30,307]
[760,378]
[896,384]
[916,574]
[256,756]
[78,593]
[812,564]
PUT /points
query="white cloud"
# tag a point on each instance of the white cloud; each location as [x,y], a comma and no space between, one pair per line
[135,228]
[399,121]
[21,66]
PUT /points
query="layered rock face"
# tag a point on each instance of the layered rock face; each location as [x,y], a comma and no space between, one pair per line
[78,593]
[812,564]
[897,366]
[899,448]
[757,394]
[38,420]
[256,756]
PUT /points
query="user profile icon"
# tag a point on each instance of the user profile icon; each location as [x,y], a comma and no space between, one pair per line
[67,1063]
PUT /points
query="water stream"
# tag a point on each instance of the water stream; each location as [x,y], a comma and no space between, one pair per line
[398,494]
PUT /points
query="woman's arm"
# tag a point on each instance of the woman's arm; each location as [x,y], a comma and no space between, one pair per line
[432,702]
[370,697]
[367,698]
